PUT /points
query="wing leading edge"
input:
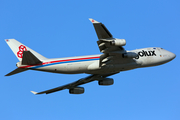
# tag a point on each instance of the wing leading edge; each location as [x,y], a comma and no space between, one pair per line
[70,85]
[109,46]
[101,31]
[75,84]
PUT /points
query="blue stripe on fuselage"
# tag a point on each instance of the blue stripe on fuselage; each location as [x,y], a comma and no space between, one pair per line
[35,67]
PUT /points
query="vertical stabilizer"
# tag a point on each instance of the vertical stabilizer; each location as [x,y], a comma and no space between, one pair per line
[18,49]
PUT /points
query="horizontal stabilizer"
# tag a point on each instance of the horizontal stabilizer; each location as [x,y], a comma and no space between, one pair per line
[18,70]
[30,59]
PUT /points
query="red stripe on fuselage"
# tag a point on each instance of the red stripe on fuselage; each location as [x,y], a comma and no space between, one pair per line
[59,61]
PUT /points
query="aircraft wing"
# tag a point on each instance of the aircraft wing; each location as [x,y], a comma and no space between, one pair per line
[76,83]
[110,47]
[101,31]
[71,85]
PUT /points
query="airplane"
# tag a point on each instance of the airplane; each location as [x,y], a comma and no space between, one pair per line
[114,59]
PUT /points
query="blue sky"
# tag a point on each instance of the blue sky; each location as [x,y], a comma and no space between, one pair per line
[62,29]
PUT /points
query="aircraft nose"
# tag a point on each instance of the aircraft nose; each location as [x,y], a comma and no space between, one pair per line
[172,55]
[168,56]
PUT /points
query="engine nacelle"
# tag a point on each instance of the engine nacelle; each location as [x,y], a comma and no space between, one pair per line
[106,81]
[130,55]
[118,42]
[76,90]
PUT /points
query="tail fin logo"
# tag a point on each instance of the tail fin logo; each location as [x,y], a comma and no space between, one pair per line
[21,49]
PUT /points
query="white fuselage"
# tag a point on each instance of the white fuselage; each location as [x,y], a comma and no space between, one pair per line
[90,64]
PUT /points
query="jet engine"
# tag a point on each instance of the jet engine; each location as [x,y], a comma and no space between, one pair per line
[130,55]
[76,90]
[118,42]
[106,81]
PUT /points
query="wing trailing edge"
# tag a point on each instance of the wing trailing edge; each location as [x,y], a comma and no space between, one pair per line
[70,85]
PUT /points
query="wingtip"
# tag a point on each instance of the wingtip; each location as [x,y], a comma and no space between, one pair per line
[34,92]
[93,21]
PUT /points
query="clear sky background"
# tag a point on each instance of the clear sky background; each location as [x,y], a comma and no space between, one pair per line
[57,28]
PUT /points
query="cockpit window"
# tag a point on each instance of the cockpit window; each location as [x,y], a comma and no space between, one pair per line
[161,48]
[154,48]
